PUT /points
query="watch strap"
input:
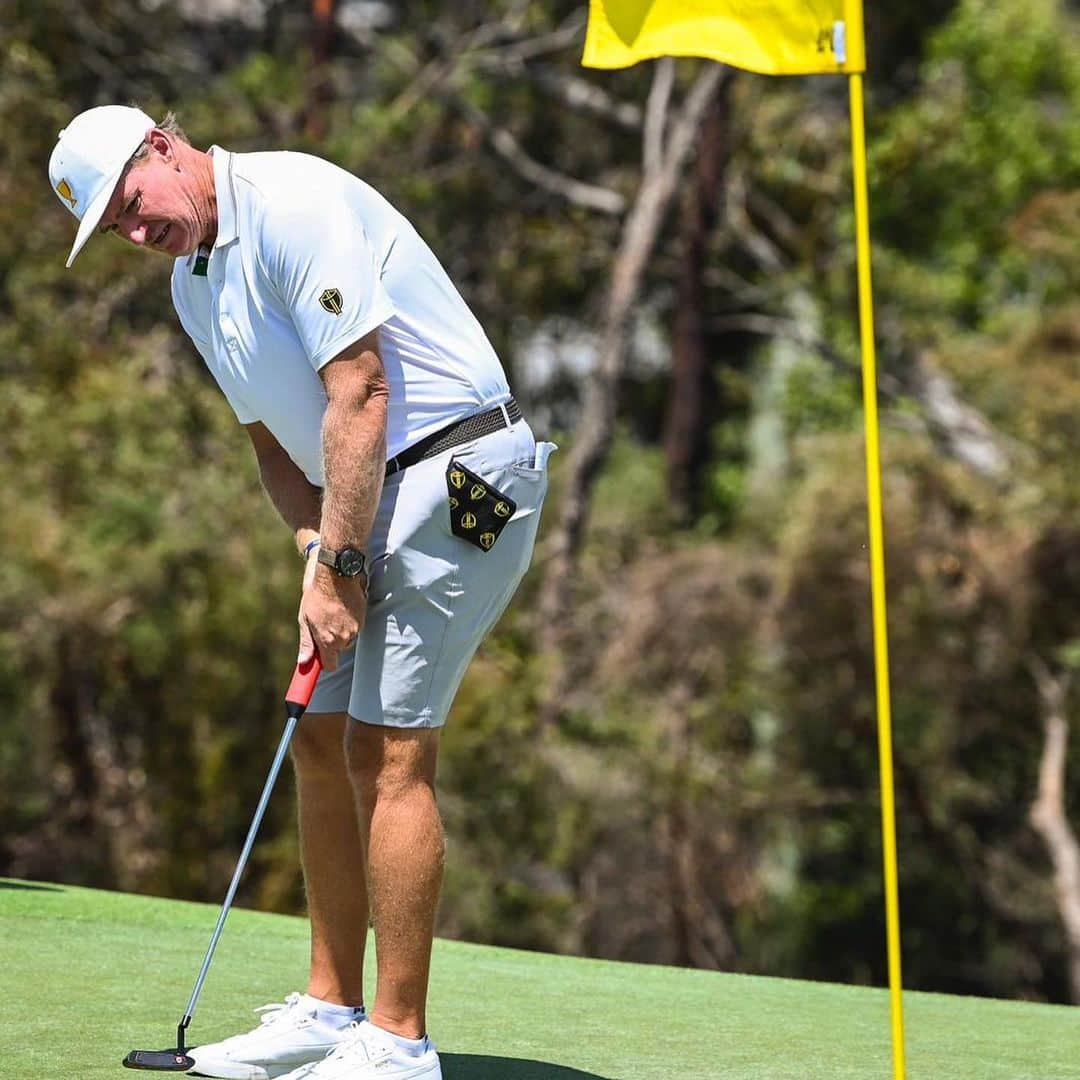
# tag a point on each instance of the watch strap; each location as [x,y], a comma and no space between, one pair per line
[329,557]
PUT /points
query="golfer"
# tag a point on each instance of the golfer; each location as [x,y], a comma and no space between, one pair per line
[388,440]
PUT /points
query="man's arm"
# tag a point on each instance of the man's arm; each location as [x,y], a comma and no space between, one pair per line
[295,497]
[354,443]
[333,609]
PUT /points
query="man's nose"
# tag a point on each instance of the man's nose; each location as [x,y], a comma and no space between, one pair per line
[134,230]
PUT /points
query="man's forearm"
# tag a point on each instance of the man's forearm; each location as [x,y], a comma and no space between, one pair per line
[297,500]
[354,461]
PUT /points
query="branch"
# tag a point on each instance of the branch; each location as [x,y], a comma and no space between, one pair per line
[776,217]
[965,432]
[738,288]
[439,76]
[581,94]
[590,196]
[562,37]
[475,48]
[572,90]
[455,55]
[775,326]
[738,219]
[656,110]
[1048,816]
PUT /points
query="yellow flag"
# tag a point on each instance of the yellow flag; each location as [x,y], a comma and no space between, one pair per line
[773,37]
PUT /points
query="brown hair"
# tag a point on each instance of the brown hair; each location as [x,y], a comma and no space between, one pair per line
[171,127]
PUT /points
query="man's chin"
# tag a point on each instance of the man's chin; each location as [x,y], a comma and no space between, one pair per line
[178,243]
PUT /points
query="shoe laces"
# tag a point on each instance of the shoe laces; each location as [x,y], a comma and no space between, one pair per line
[363,1045]
[274,1011]
[272,1014]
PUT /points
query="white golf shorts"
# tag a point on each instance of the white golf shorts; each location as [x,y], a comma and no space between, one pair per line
[432,596]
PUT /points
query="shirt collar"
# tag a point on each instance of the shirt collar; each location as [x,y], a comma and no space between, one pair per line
[226,210]
[226,196]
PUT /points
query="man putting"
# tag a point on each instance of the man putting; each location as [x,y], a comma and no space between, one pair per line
[388,440]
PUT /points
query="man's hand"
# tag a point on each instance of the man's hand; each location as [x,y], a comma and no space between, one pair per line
[332,612]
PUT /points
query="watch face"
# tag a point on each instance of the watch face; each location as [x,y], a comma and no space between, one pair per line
[350,562]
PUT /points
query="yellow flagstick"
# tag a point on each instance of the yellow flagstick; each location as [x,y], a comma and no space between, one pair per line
[791,37]
[877,569]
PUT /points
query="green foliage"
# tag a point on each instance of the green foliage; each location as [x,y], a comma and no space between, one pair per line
[817,400]
[995,125]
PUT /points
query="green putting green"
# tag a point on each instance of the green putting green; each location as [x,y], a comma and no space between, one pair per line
[91,975]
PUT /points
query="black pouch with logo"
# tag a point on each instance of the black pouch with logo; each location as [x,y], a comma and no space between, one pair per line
[478,511]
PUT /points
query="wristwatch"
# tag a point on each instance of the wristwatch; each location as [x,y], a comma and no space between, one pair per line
[348,562]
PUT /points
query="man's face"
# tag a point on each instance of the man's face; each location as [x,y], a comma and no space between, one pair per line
[156,205]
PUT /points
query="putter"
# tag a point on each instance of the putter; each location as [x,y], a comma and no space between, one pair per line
[297,698]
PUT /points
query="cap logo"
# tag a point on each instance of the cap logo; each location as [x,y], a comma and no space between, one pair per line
[331,301]
[63,189]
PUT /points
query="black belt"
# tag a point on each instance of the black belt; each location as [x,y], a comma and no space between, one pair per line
[461,431]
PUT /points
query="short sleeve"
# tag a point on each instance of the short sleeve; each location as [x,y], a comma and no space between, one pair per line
[322,264]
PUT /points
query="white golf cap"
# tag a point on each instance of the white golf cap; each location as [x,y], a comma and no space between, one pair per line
[89,156]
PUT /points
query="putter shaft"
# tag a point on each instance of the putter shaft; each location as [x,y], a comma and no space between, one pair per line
[256,821]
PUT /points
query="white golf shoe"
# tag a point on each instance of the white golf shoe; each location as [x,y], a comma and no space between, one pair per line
[368,1053]
[290,1033]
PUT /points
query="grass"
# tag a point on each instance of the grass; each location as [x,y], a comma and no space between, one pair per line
[90,975]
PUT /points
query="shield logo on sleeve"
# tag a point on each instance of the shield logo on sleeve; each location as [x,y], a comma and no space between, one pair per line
[331,301]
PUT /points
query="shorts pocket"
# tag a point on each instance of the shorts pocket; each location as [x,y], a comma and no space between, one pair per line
[380,583]
[535,468]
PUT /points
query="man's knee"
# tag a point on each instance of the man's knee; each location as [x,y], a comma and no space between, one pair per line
[318,746]
[384,761]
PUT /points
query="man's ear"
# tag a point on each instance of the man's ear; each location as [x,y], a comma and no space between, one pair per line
[160,143]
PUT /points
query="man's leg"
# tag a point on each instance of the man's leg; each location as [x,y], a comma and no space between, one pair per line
[332,853]
[393,774]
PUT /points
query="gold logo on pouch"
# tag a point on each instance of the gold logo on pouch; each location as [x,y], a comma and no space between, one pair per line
[501,509]
[477,491]
[331,301]
[468,521]
[457,478]
[486,540]
[453,503]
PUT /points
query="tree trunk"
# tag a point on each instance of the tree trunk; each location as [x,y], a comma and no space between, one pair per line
[1048,813]
[686,421]
[594,432]
[320,93]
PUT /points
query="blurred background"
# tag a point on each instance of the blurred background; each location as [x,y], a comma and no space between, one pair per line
[667,751]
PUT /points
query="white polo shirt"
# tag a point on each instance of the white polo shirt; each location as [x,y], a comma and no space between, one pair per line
[308,259]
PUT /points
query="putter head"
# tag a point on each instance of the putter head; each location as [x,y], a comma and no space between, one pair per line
[159,1060]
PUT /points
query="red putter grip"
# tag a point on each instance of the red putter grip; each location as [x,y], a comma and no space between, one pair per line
[298,696]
